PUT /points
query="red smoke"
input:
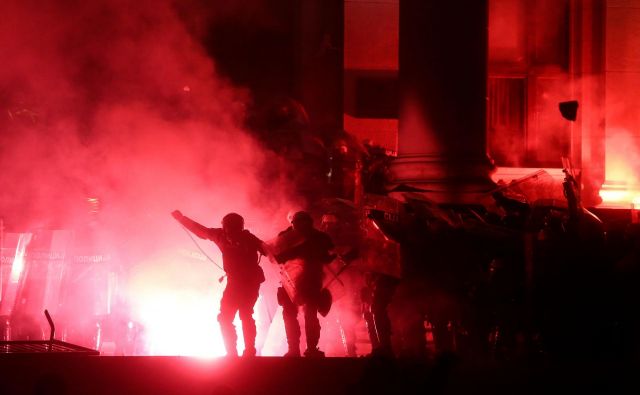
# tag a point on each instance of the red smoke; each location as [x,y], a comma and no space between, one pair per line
[112,116]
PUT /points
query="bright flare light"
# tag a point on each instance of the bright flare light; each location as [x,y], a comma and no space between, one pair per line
[620,194]
[181,323]
[177,303]
[18,260]
[622,187]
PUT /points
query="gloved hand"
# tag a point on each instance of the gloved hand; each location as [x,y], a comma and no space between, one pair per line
[177,214]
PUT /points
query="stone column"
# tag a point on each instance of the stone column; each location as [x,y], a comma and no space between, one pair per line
[443,89]
[588,72]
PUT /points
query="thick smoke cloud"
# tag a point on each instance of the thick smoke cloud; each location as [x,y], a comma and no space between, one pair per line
[112,116]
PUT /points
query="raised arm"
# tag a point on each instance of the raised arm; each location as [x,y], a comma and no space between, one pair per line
[194,227]
[290,253]
[263,248]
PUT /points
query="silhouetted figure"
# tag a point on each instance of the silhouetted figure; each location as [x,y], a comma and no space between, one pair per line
[506,281]
[240,259]
[343,162]
[282,125]
[312,248]
[376,297]
[375,169]
[382,273]
[345,234]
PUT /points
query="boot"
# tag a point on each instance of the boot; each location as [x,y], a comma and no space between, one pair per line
[313,353]
[292,353]
[249,352]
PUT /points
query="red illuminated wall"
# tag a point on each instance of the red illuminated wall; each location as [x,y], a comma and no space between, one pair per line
[540,53]
[622,76]
[371,70]
[530,72]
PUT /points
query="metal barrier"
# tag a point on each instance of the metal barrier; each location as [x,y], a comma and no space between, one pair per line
[51,346]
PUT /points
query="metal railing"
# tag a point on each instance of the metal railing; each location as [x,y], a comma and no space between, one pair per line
[51,346]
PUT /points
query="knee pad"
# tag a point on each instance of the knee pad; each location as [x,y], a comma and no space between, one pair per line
[224,320]
[245,315]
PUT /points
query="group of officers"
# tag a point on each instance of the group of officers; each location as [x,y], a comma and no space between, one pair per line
[311,249]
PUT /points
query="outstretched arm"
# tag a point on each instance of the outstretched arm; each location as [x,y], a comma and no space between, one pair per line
[194,227]
[263,248]
[291,253]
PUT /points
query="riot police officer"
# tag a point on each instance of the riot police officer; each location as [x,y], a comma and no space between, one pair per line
[312,249]
[240,259]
